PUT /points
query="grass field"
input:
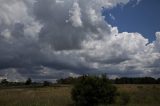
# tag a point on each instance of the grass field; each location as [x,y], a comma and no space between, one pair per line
[140,95]
[134,95]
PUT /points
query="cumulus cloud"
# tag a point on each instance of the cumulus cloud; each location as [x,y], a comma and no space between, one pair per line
[75,15]
[50,39]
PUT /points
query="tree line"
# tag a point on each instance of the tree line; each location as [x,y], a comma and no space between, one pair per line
[137,80]
[28,82]
[123,80]
[71,80]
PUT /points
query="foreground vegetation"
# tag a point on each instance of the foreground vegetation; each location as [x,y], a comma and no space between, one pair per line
[129,95]
[93,91]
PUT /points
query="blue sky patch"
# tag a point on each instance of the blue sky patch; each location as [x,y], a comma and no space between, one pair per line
[143,18]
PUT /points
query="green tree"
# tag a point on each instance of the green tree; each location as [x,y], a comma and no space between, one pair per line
[28,81]
[93,91]
[4,81]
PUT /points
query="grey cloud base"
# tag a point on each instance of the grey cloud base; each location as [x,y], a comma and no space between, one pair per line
[50,39]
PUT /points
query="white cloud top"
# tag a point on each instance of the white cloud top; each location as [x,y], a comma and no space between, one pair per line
[75,15]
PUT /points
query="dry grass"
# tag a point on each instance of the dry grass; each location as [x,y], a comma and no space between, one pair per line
[140,95]
[48,96]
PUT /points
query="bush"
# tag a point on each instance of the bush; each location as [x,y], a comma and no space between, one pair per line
[93,91]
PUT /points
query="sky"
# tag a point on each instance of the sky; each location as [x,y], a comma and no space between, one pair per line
[51,39]
[142,17]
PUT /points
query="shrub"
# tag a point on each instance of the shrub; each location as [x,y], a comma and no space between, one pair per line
[92,91]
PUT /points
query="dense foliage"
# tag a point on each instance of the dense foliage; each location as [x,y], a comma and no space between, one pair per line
[4,82]
[136,80]
[92,91]
[28,81]
[123,80]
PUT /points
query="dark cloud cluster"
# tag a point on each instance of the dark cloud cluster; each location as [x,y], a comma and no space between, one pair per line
[49,39]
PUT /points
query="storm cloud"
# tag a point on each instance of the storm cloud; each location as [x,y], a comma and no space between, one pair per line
[50,39]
